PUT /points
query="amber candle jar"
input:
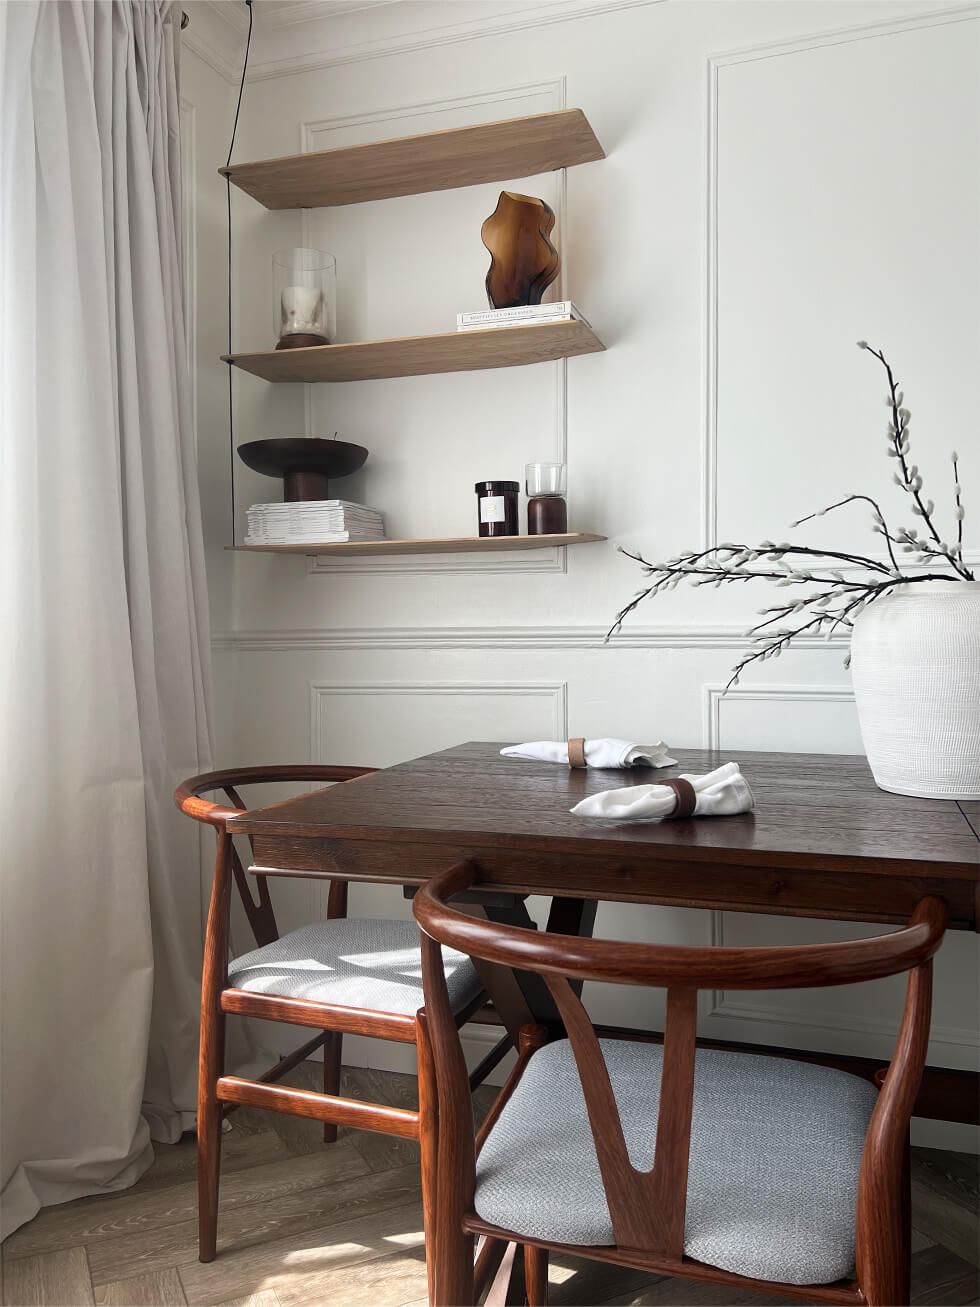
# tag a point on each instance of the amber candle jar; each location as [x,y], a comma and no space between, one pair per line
[546,511]
[546,516]
[497,502]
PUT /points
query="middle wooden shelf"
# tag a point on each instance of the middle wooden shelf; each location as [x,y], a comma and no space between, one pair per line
[445,545]
[415,356]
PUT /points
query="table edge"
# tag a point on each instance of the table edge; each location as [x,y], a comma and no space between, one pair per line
[472,841]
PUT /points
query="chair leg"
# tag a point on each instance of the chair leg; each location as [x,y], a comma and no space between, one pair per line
[905,1283]
[454,1271]
[885,1267]
[209,1117]
[332,1053]
[211,1053]
[536,1275]
[428,1147]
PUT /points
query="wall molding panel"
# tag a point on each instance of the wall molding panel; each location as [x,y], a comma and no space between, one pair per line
[715,64]
[715,695]
[554,693]
[437,696]
[309,129]
[793,1027]
[526,563]
[846,32]
[325,640]
[953,1037]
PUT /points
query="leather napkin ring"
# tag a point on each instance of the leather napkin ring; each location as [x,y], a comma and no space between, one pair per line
[576,753]
[686,796]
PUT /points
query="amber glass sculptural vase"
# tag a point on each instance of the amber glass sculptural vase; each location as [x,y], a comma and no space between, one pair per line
[523,261]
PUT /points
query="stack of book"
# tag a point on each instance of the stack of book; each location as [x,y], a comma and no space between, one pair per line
[313,521]
[524,315]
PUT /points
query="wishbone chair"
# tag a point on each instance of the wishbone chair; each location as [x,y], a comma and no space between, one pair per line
[756,1172]
[338,976]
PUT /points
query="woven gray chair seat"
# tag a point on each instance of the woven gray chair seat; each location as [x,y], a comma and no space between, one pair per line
[363,963]
[775,1151]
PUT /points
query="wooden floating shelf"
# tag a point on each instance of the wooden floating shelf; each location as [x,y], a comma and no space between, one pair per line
[411,165]
[417,356]
[450,545]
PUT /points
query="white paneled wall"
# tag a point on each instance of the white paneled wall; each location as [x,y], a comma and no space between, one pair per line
[782,180]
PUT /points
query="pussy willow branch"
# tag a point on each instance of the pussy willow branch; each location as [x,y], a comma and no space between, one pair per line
[818,606]
[957,495]
[837,601]
[775,647]
[766,550]
[910,481]
[880,524]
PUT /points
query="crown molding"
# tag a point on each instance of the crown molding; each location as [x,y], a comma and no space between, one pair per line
[216,34]
[234,13]
[308,38]
[297,36]
[284,13]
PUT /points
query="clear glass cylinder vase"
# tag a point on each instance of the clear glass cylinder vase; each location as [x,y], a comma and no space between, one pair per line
[304,298]
[546,510]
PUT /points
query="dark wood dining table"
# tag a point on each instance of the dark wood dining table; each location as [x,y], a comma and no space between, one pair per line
[822,841]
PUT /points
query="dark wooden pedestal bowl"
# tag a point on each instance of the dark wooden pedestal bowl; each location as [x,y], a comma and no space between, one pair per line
[305,465]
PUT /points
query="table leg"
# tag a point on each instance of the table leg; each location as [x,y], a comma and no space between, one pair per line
[517,1000]
[520,996]
[573,917]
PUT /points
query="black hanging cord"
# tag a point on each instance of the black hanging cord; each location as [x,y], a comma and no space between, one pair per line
[231,398]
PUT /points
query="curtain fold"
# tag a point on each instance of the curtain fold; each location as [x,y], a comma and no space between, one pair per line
[105,691]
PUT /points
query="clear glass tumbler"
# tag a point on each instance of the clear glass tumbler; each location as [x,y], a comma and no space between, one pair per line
[304,304]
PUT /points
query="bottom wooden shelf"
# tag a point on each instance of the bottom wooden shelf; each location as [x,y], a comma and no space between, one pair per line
[449,545]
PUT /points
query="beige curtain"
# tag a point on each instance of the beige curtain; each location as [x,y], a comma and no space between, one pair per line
[105,683]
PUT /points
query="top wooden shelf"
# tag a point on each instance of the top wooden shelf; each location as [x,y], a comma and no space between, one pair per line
[410,165]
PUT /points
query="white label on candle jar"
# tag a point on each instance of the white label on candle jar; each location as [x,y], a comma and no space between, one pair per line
[492,509]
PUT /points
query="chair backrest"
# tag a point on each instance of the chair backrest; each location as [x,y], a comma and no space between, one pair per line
[647,1208]
[260,914]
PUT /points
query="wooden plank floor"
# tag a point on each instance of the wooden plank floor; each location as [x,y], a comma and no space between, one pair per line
[303,1225]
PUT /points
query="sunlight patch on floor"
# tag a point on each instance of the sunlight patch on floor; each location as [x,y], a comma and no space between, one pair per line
[410,1239]
[559,1274]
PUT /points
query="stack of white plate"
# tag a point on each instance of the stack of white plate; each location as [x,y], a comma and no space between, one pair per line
[313,521]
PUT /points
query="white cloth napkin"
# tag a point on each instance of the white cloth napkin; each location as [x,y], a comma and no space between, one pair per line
[598,753]
[720,793]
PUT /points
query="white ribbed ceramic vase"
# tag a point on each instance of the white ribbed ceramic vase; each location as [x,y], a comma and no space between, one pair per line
[915,662]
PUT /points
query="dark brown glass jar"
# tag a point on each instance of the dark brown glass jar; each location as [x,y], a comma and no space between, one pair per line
[497,504]
[546,516]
